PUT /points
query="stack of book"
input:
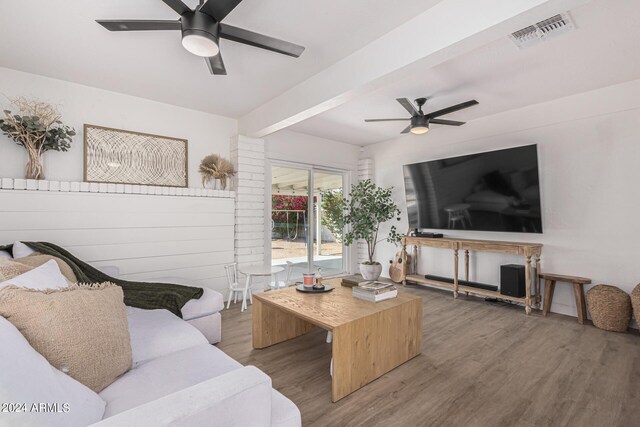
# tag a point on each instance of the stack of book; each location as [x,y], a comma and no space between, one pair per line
[374,291]
[351,281]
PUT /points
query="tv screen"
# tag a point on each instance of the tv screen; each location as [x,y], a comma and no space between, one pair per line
[492,191]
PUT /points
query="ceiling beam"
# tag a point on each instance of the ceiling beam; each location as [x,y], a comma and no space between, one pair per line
[448,29]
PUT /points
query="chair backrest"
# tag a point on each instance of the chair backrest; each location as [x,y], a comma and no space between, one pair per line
[287,280]
[232,274]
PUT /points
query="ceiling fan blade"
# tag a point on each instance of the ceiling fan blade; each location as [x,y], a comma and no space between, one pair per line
[445,122]
[219,9]
[451,109]
[259,40]
[134,25]
[385,120]
[407,105]
[216,65]
[178,6]
[407,129]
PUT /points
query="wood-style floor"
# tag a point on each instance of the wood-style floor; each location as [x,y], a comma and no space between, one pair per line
[482,364]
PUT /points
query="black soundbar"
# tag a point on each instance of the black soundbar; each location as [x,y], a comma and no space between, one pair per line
[462,282]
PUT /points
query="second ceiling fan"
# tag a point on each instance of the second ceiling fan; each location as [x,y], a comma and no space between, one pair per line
[202,30]
[420,121]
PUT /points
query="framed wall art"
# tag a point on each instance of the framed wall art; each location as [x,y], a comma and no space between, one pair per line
[125,157]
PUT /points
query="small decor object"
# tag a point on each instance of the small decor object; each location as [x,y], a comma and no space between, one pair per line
[215,167]
[368,207]
[312,290]
[610,308]
[308,280]
[36,127]
[124,157]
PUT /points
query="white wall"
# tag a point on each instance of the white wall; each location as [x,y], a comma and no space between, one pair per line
[146,236]
[80,104]
[302,148]
[589,156]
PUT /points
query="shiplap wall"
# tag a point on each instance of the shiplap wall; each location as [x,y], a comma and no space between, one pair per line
[146,236]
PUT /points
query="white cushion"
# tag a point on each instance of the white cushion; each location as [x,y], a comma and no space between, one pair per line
[5,254]
[26,377]
[20,250]
[165,375]
[155,333]
[47,276]
[209,303]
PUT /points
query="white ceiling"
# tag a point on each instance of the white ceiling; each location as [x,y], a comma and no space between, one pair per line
[603,51]
[60,39]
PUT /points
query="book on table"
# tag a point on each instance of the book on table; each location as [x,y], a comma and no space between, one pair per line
[374,291]
[354,280]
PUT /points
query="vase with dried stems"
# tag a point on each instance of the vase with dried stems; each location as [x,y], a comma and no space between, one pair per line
[215,167]
[37,127]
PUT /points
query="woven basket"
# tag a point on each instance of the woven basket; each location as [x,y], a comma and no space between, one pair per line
[635,302]
[610,308]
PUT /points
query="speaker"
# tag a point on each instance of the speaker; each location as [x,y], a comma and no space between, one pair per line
[512,280]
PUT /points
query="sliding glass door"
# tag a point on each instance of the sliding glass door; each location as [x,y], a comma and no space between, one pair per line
[306,234]
[327,251]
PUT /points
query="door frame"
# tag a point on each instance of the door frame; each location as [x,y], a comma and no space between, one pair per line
[346,185]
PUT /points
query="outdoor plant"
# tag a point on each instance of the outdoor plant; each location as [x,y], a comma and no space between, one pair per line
[37,128]
[367,207]
[332,215]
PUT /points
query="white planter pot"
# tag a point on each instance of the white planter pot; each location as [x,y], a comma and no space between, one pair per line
[371,271]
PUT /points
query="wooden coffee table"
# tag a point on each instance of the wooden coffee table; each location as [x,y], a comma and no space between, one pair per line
[369,339]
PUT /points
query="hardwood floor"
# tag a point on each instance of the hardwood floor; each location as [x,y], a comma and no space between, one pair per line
[482,364]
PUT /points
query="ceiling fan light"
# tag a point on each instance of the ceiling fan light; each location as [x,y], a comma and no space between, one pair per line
[419,130]
[200,44]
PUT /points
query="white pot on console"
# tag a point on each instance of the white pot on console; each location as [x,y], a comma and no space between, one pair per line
[371,271]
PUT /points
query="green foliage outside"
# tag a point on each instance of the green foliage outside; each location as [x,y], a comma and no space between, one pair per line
[332,216]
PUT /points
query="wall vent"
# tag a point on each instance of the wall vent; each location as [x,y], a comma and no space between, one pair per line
[543,30]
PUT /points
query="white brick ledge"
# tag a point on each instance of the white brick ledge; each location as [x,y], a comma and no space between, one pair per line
[93,187]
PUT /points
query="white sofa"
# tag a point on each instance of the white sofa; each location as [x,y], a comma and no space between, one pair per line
[177,379]
[202,313]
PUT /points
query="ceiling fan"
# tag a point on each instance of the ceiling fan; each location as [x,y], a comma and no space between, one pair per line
[420,121]
[202,30]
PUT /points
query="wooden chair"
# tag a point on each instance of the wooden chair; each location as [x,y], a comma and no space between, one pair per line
[234,287]
[578,291]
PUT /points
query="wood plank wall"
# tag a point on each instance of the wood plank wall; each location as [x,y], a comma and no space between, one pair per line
[146,236]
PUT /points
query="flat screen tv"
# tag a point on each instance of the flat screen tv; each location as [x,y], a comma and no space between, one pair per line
[492,191]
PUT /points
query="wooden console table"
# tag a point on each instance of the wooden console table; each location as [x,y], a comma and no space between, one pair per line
[527,250]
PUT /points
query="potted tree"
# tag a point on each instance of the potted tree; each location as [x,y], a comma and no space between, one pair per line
[367,207]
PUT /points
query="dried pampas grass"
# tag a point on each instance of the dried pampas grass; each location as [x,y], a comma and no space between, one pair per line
[216,167]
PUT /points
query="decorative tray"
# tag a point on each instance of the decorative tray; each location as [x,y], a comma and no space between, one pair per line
[300,288]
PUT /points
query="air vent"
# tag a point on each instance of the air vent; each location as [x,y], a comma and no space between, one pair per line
[543,30]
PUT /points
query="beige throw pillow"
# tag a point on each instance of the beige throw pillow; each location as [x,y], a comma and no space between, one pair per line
[10,269]
[36,260]
[82,330]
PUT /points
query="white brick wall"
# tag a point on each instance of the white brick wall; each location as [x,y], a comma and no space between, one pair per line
[247,155]
[365,171]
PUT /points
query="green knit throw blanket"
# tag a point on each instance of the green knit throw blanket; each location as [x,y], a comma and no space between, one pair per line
[144,295]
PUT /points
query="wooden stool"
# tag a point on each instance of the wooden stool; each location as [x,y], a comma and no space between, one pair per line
[578,291]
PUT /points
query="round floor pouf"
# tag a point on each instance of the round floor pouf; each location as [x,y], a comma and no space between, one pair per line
[635,302]
[610,308]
